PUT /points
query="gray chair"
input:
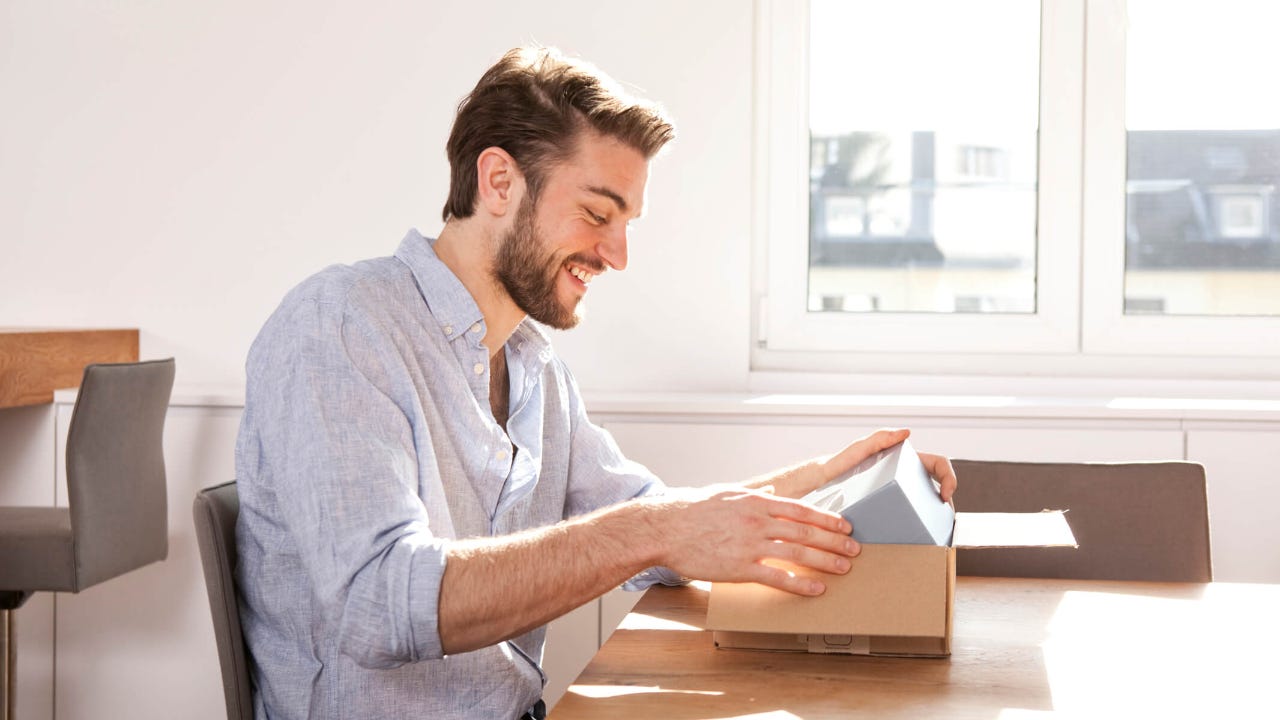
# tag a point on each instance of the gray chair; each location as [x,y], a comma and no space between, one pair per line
[215,510]
[116,519]
[1133,521]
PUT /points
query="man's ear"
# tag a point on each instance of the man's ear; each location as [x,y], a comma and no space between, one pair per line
[500,181]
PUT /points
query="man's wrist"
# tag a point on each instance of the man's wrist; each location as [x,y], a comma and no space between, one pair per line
[644,521]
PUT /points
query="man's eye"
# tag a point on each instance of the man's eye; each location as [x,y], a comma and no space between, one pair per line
[596,218]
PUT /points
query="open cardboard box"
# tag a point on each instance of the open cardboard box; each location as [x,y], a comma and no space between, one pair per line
[898,598]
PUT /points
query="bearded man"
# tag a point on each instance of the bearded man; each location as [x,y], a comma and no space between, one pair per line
[421,490]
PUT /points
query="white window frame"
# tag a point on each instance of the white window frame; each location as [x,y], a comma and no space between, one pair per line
[1106,329]
[1079,328]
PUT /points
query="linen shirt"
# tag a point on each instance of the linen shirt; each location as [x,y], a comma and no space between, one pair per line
[368,444]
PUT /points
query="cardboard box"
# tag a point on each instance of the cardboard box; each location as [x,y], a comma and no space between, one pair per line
[897,599]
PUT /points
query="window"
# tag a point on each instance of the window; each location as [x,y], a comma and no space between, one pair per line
[1203,160]
[1042,193]
[922,178]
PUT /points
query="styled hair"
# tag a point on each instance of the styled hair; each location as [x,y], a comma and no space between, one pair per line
[534,103]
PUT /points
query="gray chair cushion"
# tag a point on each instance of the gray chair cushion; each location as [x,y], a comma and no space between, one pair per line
[1133,521]
[36,549]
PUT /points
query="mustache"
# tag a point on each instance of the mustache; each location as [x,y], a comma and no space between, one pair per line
[593,264]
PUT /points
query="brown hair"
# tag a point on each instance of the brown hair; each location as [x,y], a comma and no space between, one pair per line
[533,104]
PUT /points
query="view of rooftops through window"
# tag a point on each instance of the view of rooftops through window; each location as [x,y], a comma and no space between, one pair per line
[1202,231]
[925,200]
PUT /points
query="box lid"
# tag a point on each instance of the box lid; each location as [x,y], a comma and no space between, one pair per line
[989,530]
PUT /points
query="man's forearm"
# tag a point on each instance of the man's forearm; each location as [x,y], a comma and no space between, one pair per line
[792,482]
[498,588]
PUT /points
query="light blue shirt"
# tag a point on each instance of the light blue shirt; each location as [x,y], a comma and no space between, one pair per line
[367,444]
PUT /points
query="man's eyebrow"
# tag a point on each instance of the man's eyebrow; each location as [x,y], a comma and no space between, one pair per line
[606,192]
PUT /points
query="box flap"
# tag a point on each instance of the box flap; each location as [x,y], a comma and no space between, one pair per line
[987,530]
[891,590]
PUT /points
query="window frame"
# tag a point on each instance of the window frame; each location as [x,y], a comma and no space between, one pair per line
[1106,328]
[1079,328]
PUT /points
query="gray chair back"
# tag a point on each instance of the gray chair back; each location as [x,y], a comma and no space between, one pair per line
[215,510]
[115,469]
[1133,521]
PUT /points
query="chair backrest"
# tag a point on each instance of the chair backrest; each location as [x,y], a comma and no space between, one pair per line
[115,469]
[1133,521]
[215,510]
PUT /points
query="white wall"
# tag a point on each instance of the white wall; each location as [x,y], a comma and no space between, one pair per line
[178,166]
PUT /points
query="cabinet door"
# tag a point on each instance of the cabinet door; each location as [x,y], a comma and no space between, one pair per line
[690,454]
[572,640]
[1243,494]
[693,454]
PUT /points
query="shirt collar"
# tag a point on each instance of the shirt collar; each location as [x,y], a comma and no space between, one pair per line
[452,305]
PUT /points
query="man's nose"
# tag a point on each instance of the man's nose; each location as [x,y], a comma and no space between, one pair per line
[613,249]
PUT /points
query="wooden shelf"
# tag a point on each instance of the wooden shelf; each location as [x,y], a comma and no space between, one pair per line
[36,361]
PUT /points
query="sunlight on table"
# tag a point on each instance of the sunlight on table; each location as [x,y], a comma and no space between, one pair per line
[1086,675]
[608,691]
[640,621]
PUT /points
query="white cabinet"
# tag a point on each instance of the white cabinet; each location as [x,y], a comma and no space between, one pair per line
[697,454]
[1241,467]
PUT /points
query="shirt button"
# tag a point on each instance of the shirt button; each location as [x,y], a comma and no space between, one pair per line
[479,368]
[448,329]
[502,454]
[475,328]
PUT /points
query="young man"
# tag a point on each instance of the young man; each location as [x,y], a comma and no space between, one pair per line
[421,490]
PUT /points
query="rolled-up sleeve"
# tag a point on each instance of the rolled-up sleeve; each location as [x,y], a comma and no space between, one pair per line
[340,456]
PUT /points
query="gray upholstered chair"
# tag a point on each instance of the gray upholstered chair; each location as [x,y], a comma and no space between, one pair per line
[1133,521]
[215,510]
[116,519]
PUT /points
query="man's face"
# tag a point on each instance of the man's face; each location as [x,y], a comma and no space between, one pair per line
[575,231]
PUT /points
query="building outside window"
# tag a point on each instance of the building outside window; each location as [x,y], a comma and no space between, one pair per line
[1066,181]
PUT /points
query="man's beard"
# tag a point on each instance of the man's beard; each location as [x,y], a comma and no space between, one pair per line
[530,274]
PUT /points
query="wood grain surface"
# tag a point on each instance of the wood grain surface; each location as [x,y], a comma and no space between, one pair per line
[36,361]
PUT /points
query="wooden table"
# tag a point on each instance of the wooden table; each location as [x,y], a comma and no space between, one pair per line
[1021,649]
[36,361]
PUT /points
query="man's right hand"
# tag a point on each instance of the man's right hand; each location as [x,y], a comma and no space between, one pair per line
[729,534]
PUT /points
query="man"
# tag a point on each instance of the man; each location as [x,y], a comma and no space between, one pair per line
[421,490]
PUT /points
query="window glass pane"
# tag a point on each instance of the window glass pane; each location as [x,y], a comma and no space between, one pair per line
[1202,230]
[923,117]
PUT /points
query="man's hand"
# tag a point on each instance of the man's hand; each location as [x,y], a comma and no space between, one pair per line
[729,534]
[800,480]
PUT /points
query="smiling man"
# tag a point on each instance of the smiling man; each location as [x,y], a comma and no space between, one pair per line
[421,490]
